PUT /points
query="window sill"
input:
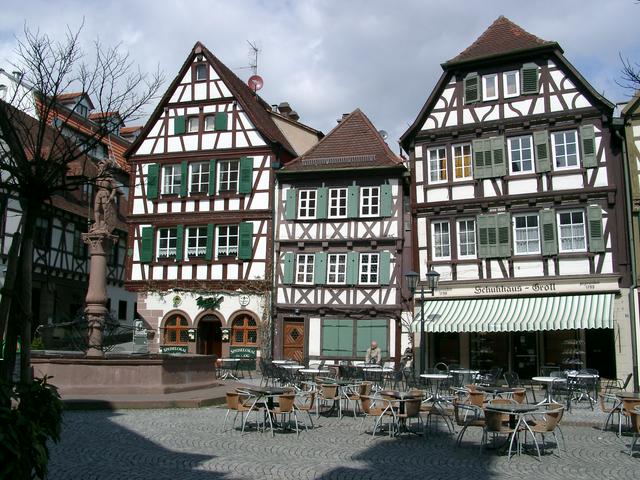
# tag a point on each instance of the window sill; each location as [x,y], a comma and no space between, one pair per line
[521,176]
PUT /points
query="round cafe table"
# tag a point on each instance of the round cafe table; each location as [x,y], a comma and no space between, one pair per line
[283,362]
[229,366]
[547,382]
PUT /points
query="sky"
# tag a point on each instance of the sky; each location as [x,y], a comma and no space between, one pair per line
[330,57]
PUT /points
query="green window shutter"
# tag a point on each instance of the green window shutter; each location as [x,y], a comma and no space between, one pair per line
[352,268]
[287,268]
[588,135]
[212,177]
[245,240]
[499,166]
[245,181]
[322,199]
[179,125]
[541,142]
[529,79]
[353,201]
[386,201]
[184,182]
[482,158]
[220,121]
[211,228]
[153,172]
[487,237]
[548,225]
[290,205]
[471,88]
[503,223]
[596,236]
[385,267]
[146,245]
[320,268]
[179,243]
[337,338]
[369,330]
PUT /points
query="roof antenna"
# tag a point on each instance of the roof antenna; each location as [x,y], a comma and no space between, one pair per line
[255,82]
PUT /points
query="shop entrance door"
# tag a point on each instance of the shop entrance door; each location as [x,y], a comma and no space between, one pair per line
[293,343]
[601,352]
[525,354]
[210,336]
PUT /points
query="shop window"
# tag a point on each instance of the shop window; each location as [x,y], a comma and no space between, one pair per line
[176,330]
[244,331]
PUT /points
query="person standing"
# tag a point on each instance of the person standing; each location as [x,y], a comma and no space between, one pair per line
[374,354]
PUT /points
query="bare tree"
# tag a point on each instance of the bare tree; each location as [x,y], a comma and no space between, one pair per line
[40,156]
[630,78]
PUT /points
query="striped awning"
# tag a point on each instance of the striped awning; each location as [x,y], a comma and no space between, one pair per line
[517,314]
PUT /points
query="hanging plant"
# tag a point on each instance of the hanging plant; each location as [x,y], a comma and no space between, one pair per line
[209,303]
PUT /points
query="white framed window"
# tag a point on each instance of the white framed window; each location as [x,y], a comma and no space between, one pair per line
[571,231]
[209,123]
[526,232]
[171,179]
[228,175]
[227,241]
[201,72]
[337,203]
[441,237]
[511,83]
[565,149]
[369,268]
[167,240]
[462,163]
[466,238]
[304,268]
[369,201]
[307,204]
[520,154]
[193,124]
[490,86]
[437,162]
[196,241]
[199,178]
[337,268]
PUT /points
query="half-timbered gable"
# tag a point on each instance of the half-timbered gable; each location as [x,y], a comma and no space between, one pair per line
[517,178]
[202,196]
[339,244]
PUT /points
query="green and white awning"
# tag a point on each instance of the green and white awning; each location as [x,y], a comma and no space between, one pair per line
[517,314]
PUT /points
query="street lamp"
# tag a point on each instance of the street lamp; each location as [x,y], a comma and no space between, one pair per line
[432,283]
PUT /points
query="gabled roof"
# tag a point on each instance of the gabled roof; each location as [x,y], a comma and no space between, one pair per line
[255,108]
[632,105]
[353,143]
[67,97]
[502,37]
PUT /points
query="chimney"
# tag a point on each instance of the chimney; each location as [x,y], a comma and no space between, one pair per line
[274,107]
[344,115]
[293,115]
[284,108]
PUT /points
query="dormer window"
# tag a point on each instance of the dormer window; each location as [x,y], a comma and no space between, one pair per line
[82,110]
[490,87]
[201,72]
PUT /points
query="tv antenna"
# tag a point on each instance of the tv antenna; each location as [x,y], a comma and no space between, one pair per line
[253,54]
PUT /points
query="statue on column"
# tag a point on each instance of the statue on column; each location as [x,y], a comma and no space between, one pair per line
[105,205]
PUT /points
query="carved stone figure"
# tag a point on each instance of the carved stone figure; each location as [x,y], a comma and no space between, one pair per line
[105,204]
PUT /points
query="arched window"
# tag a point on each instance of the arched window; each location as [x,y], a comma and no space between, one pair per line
[176,330]
[244,331]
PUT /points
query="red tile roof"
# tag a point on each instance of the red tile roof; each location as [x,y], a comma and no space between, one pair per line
[353,143]
[130,130]
[502,36]
[63,97]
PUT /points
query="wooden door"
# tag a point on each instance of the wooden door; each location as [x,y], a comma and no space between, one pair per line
[293,343]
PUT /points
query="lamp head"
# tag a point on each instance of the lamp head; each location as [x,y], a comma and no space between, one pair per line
[412,280]
[432,279]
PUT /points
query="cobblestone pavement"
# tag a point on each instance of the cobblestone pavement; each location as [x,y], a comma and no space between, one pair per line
[182,444]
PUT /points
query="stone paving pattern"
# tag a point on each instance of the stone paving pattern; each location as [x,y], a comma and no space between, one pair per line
[185,444]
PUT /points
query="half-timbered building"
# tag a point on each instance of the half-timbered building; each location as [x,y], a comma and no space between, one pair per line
[339,243]
[201,210]
[517,195]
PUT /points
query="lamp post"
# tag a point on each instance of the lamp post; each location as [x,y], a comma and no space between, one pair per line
[432,283]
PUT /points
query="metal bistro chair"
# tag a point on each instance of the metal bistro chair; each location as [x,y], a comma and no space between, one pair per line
[617,385]
[467,415]
[378,408]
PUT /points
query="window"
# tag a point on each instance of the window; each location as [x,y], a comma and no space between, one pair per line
[82,109]
[307,204]
[344,338]
[337,268]
[228,176]
[122,310]
[571,231]
[210,123]
[565,149]
[167,240]
[193,124]
[176,330]
[462,161]
[201,72]
[511,81]
[369,201]
[171,179]
[490,87]
[114,254]
[196,241]
[304,269]
[244,331]
[42,233]
[337,203]
[199,177]
[227,241]
[526,234]
[369,263]
[441,240]
[521,154]
[80,249]
[437,158]
[466,238]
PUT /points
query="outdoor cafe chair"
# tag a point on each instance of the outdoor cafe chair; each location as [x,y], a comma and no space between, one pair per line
[378,408]
[519,395]
[629,405]
[495,425]
[611,405]
[410,412]
[285,408]
[352,394]
[548,424]
[617,385]
[240,403]
[306,401]
[467,415]
[329,392]
[634,416]
[491,378]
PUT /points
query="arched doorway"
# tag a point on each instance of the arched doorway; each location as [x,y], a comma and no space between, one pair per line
[210,336]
